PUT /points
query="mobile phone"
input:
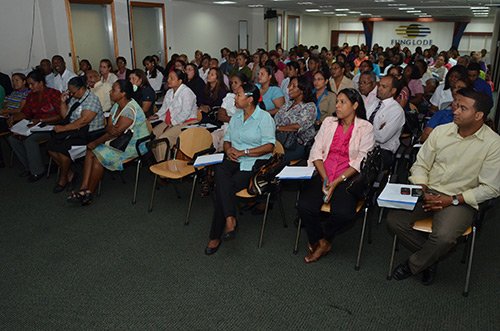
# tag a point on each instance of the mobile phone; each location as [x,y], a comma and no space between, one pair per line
[416,192]
[405,191]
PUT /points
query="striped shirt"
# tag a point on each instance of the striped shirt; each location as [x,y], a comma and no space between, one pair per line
[13,100]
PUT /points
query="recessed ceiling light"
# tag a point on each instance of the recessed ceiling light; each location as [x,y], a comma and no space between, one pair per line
[406,8]
[255,6]
[365,14]
[304,3]
[396,4]
[385,0]
[354,12]
[312,10]
[329,13]
[340,14]
[413,11]
[224,2]
[342,9]
[327,6]
[479,8]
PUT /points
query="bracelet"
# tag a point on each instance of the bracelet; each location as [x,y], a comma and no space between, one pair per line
[344,178]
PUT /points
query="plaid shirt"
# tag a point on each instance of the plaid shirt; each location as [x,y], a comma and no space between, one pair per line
[44,104]
[89,101]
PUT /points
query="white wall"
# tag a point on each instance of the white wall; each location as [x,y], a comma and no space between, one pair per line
[315,30]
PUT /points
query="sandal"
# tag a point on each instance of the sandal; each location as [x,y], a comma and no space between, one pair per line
[76,197]
[88,198]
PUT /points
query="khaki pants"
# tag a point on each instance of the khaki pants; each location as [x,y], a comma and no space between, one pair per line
[447,226]
[171,133]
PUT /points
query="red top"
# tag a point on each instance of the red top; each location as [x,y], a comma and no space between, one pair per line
[338,157]
[42,104]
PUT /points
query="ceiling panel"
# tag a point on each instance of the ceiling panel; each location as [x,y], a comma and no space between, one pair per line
[446,9]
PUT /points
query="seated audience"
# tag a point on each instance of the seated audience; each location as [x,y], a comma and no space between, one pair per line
[143,93]
[368,88]
[412,76]
[83,121]
[155,77]
[122,72]
[5,83]
[100,89]
[444,116]
[84,66]
[439,68]
[14,102]
[213,94]
[228,109]
[61,74]
[106,71]
[272,96]
[442,97]
[46,69]
[366,65]
[177,111]
[291,71]
[241,66]
[323,97]
[387,118]
[204,67]
[478,83]
[255,66]
[41,106]
[457,168]
[126,114]
[194,82]
[338,80]
[402,90]
[339,147]
[248,143]
[295,119]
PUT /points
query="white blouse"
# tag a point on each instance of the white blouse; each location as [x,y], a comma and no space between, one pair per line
[182,105]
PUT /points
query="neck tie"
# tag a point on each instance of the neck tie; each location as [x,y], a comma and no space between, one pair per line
[372,116]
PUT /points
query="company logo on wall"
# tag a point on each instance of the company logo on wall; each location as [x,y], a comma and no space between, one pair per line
[410,33]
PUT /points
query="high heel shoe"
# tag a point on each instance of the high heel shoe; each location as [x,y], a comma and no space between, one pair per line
[212,250]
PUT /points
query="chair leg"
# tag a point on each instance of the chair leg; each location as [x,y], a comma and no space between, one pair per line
[99,188]
[469,262]
[49,166]
[152,194]
[191,199]
[391,262]
[297,237]
[264,221]
[466,250]
[380,214]
[361,240]
[282,210]
[369,225]
[137,173]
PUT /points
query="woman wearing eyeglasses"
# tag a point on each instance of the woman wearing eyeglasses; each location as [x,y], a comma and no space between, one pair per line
[339,147]
[248,143]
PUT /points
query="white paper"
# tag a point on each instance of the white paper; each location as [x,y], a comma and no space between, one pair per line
[391,197]
[298,172]
[77,151]
[210,159]
[204,125]
[38,128]
[417,145]
[21,128]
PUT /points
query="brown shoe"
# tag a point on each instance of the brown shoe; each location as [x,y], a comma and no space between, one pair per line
[322,249]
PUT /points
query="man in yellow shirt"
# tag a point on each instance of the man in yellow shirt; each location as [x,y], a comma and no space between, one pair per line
[458,167]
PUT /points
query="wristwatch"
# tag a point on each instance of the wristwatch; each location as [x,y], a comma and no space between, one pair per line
[247,151]
[344,178]
[454,200]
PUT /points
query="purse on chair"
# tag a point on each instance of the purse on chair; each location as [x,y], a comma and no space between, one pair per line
[371,166]
[121,142]
[265,179]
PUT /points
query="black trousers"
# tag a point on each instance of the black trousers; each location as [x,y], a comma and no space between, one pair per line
[343,210]
[228,181]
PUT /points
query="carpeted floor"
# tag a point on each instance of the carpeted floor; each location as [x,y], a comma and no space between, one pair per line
[115,266]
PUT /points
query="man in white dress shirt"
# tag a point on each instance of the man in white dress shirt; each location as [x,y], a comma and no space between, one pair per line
[367,87]
[387,118]
[62,75]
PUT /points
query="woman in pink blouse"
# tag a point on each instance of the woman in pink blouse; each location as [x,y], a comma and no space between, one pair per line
[340,145]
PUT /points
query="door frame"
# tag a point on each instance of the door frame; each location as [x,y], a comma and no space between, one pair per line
[148,5]
[298,30]
[70,25]
[279,25]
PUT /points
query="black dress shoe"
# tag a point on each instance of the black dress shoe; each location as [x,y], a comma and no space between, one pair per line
[25,173]
[212,250]
[35,178]
[230,235]
[402,271]
[429,275]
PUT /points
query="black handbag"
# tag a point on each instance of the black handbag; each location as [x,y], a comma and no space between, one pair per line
[265,179]
[287,139]
[121,142]
[371,166]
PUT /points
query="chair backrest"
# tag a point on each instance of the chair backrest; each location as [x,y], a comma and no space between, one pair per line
[278,148]
[194,140]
